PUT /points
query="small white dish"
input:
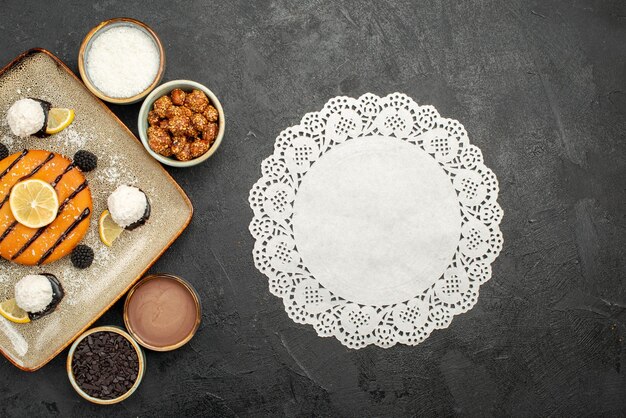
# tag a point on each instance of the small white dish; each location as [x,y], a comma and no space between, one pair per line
[162,90]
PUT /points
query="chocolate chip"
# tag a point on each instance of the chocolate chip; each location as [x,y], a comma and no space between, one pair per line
[105,365]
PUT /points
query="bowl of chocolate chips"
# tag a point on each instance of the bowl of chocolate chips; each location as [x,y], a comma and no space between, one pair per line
[105,365]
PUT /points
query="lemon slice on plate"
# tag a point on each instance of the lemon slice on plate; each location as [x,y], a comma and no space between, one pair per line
[13,313]
[58,119]
[34,203]
[108,229]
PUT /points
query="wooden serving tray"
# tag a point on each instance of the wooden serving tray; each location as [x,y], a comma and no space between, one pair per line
[122,159]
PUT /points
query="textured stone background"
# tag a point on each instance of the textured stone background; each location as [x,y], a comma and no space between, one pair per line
[541,88]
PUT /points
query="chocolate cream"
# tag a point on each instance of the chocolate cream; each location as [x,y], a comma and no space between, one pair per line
[162,312]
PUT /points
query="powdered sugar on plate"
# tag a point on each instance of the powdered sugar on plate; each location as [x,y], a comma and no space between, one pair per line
[116,172]
[72,139]
[20,345]
[7,140]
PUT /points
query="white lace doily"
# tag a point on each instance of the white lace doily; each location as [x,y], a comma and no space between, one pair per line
[375,220]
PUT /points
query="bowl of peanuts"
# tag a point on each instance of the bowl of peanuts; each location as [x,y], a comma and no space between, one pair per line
[181,123]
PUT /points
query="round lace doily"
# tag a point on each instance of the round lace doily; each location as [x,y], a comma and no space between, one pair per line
[375,220]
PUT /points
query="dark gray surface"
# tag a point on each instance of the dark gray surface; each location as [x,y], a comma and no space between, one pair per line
[540,87]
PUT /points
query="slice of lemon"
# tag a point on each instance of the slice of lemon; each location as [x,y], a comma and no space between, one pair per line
[34,203]
[108,229]
[13,313]
[59,119]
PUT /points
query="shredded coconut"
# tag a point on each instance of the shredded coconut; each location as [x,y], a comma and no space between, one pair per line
[71,138]
[116,173]
[7,140]
[25,117]
[127,204]
[123,61]
[33,293]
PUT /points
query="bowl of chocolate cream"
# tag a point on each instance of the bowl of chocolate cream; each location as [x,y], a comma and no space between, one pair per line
[162,312]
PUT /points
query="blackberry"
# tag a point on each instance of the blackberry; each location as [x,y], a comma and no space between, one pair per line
[4,152]
[82,256]
[85,160]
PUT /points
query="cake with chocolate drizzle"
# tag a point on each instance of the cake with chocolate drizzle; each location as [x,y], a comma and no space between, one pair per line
[36,246]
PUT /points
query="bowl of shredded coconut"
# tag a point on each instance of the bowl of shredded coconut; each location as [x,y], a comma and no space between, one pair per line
[121,60]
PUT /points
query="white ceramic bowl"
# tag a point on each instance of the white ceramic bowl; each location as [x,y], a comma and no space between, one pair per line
[166,88]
